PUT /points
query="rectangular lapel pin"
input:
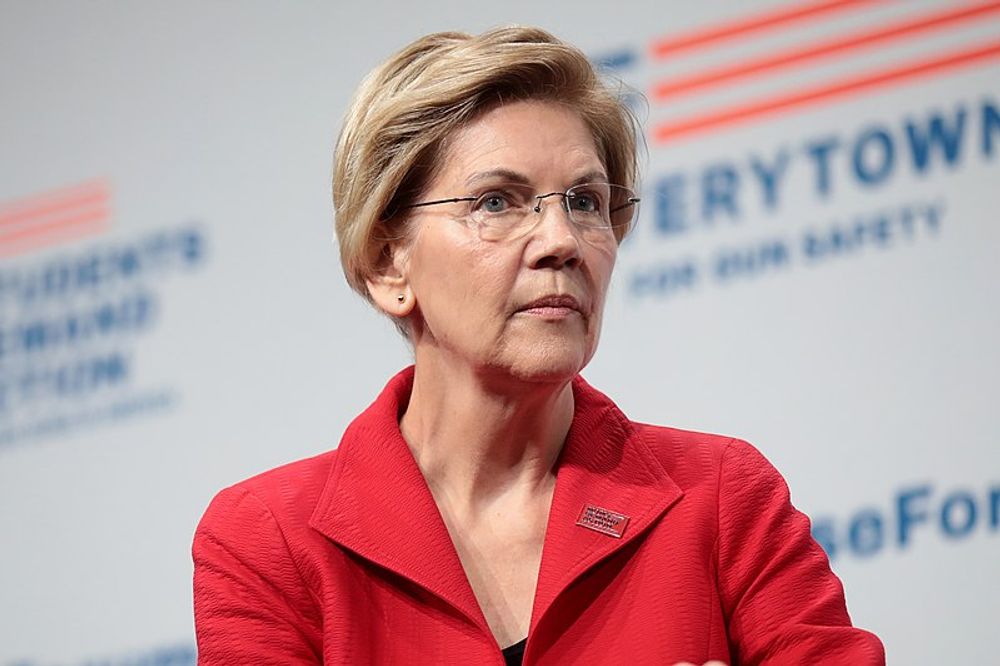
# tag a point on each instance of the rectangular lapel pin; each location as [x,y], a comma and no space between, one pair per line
[603,521]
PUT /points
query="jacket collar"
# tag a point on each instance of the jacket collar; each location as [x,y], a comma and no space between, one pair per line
[377,504]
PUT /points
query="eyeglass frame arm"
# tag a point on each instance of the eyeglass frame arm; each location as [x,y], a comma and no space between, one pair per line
[439,201]
[537,208]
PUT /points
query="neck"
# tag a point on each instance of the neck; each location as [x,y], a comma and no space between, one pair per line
[477,438]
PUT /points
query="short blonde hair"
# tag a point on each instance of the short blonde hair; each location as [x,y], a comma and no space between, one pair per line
[402,115]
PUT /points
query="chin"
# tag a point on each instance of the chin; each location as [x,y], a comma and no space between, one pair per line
[548,361]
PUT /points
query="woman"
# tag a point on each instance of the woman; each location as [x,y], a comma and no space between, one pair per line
[490,504]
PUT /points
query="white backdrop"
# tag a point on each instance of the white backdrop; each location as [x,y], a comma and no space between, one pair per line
[815,270]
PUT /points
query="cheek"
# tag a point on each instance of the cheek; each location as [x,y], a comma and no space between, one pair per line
[602,265]
[458,284]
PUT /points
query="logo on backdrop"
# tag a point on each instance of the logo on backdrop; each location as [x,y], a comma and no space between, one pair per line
[71,323]
[914,514]
[698,229]
[823,196]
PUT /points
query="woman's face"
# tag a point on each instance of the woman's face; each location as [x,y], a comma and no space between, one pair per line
[528,308]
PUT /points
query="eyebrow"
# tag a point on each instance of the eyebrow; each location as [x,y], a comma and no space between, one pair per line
[592,177]
[506,174]
[520,179]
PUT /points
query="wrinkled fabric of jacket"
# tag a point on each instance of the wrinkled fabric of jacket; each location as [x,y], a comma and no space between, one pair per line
[344,558]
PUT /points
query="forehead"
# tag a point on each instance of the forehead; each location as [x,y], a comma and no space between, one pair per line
[543,141]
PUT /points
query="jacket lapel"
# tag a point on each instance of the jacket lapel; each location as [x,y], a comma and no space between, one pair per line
[604,465]
[377,504]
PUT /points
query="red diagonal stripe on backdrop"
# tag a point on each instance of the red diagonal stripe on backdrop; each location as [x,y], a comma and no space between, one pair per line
[842,88]
[797,13]
[833,47]
[54,216]
[98,215]
[62,235]
[63,193]
[52,206]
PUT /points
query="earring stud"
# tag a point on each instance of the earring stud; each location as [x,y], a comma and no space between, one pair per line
[400,298]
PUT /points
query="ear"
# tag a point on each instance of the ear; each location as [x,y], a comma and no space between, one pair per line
[389,286]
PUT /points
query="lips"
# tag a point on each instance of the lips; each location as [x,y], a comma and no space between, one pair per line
[553,301]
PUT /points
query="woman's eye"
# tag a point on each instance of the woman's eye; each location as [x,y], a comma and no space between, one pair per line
[494,203]
[585,203]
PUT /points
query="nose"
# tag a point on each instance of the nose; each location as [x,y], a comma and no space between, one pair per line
[554,240]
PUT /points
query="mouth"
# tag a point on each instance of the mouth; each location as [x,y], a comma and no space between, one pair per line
[555,306]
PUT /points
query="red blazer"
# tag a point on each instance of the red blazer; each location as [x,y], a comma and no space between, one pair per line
[344,558]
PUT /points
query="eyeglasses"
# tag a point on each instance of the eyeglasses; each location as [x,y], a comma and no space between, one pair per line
[601,211]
